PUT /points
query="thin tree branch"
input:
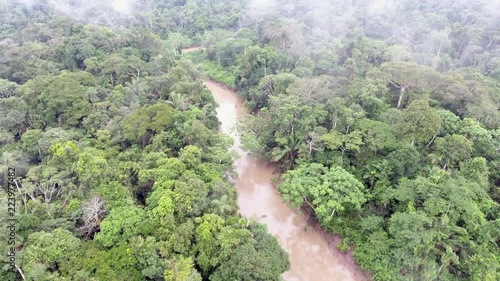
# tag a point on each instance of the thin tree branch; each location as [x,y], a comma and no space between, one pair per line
[20,272]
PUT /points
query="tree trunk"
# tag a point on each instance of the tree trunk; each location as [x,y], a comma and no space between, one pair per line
[441,267]
[265,67]
[401,93]
[433,138]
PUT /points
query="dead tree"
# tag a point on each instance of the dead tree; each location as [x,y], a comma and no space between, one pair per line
[93,212]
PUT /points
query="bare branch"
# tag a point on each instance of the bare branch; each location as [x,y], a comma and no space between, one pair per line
[20,272]
[93,212]
[394,84]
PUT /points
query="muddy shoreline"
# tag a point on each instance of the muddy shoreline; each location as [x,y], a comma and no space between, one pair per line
[333,241]
[222,85]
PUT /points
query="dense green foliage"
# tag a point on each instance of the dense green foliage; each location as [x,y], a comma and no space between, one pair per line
[120,171]
[383,115]
[386,122]
[211,69]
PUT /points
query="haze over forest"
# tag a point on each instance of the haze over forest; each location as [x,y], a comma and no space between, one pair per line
[379,118]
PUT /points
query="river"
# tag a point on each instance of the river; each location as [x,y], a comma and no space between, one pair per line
[311,257]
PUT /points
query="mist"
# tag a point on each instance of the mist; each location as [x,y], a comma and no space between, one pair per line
[336,20]
[89,11]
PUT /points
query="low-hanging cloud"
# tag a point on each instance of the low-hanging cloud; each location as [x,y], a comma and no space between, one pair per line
[90,11]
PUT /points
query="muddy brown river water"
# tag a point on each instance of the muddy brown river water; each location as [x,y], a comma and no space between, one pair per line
[311,257]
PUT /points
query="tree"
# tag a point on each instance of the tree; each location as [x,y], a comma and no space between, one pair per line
[375,135]
[434,215]
[247,264]
[404,161]
[253,65]
[221,206]
[7,88]
[58,100]
[117,263]
[405,76]
[288,152]
[215,41]
[414,242]
[142,125]
[14,117]
[175,42]
[450,123]
[260,258]
[453,149]
[93,212]
[114,136]
[273,84]
[121,224]
[481,137]
[326,191]
[114,194]
[207,256]
[91,167]
[292,120]
[149,260]
[335,140]
[46,250]
[47,187]
[461,92]
[419,122]
[487,112]
[483,265]
[182,239]
[181,269]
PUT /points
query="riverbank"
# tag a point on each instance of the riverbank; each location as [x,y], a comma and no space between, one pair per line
[333,241]
[209,68]
[313,253]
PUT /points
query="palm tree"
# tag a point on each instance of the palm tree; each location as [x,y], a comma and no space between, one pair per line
[178,101]
[134,88]
[138,90]
[246,223]
[288,153]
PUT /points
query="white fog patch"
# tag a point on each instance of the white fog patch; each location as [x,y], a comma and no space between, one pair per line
[377,6]
[258,10]
[90,11]
[121,6]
